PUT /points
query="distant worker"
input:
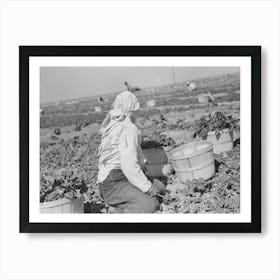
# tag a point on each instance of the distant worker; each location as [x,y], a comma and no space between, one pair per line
[101,100]
[192,86]
[211,97]
[162,118]
[121,178]
[130,88]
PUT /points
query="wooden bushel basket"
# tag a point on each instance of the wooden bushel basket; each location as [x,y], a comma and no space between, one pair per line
[193,161]
[167,150]
[203,98]
[224,143]
[98,109]
[151,103]
[63,205]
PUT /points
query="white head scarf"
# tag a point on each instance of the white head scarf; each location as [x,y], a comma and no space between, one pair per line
[111,128]
[124,104]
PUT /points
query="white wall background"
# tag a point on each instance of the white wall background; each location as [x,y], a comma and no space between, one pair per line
[139,256]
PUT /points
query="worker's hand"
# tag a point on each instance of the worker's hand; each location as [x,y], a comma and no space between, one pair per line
[157,188]
[152,192]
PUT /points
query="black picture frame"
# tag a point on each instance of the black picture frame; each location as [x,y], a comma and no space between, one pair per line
[25,52]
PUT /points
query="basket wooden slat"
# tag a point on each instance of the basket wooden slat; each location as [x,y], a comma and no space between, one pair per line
[193,161]
[203,98]
[223,144]
[63,205]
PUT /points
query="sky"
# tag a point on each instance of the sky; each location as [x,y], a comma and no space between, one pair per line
[63,83]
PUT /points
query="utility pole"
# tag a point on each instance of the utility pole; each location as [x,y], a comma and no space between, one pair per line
[173,75]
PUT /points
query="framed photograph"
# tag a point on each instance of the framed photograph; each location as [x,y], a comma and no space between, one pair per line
[140,139]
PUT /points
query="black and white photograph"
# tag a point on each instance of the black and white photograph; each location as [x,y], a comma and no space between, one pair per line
[140,140]
[145,136]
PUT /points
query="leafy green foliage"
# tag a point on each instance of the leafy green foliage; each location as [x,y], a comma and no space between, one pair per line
[153,136]
[221,194]
[158,140]
[69,168]
[67,182]
[215,121]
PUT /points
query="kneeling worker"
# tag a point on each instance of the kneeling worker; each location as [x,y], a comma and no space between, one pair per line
[122,182]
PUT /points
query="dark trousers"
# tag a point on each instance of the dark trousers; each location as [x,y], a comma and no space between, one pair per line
[119,193]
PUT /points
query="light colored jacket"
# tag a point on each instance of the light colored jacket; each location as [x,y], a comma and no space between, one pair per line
[120,149]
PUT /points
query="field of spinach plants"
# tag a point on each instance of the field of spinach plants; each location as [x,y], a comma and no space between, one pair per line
[70,139]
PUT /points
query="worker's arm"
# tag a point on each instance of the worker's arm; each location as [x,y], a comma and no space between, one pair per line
[129,160]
